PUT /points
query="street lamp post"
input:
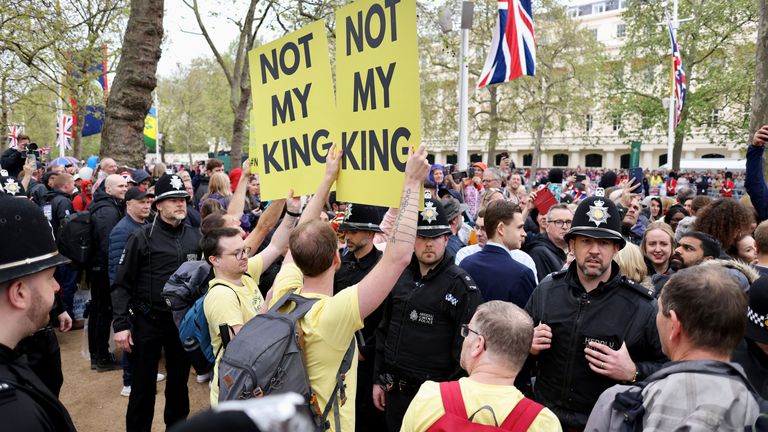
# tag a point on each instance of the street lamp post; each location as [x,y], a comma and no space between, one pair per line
[467,9]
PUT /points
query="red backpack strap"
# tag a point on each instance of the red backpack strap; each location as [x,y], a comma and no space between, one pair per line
[522,416]
[453,403]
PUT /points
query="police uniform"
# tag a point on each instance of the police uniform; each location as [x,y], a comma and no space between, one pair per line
[151,255]
[617,311]
[26,404]
[419,338]
[358,217]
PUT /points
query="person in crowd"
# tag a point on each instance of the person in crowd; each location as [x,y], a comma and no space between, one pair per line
[727,186]
[472,190]
[233,296]
[432,298]
[151,255]
[359,226]
[754,181]
[550,250]
[143,180]
[455,215]
[27,292]
[492,179]
[490,195]
[752,351]
[495,346]
[761,247]
[437,176]
[212,166]
[107,209]
[656,209]
[693,248]
[744,250]
[106,168]
[674,215]
[633,266]
[594,327]
[11,159]
[498,276]
[310,267]
[657,247]
[84,197]
[700,322]
[219,189]
[726,220]
[138,204]
[671,184]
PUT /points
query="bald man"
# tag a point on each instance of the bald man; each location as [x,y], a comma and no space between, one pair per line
[107,208]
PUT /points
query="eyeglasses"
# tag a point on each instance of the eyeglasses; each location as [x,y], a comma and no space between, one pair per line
[240,254]
[465,330]
[561,223]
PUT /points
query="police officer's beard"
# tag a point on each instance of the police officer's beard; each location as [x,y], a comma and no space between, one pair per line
[38,313]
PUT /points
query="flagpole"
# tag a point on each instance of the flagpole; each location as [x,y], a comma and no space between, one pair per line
[157,129]
[467,8]
[672,98]
[59,113]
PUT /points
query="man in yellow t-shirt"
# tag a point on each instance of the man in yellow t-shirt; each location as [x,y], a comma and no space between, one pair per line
[496,344]
[234,297]
[310,268]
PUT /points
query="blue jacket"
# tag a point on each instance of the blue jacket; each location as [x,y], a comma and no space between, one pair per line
[117,239]
[499,277]
[754,182]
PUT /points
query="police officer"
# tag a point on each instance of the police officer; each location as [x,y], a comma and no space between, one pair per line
[143,323]
[595,328]
[27,290]
[360,225]
[419,337]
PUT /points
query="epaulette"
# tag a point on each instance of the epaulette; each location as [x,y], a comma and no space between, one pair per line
[456,272]
[639,288]
[559,274]
[7,392]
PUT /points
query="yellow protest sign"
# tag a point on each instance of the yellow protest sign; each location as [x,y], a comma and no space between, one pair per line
[378,105]
[293,111]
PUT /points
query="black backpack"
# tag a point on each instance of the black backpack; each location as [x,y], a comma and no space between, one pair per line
[75,239]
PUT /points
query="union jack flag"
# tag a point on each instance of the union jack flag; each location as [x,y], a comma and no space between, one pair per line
[513,48]
[680,81]
[64,131]
[13,133]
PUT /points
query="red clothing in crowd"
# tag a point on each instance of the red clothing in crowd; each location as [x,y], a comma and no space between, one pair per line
[727,189]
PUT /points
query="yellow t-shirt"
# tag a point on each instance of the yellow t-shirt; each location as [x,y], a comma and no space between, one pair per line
[328,329]
[235,306]
[427,406]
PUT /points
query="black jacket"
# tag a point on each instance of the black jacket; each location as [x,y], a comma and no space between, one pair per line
[25,403]
[201,189]
[547,257]
[615,312]
[352,271]
[419,337]
[151,255]
[56,208]
[12,162]
[106,212]
[755,363]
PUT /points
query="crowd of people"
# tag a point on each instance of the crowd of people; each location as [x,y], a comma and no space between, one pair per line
[564,300]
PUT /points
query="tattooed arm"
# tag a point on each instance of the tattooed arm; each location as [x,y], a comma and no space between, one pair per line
[375,287]
[315,205]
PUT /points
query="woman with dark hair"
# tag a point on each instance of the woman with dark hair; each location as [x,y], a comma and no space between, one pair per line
[727,220]
[657,209]
[674,215]
[744,250]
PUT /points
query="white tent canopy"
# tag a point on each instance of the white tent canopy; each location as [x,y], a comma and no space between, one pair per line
[710,164]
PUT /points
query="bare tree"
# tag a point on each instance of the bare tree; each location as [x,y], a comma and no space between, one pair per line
[131,95]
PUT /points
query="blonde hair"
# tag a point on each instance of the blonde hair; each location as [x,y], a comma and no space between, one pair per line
[662,226]
[219,183]
[631,263]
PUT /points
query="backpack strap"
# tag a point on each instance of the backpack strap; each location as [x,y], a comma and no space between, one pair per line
[453,402]
[333,401]
[522,416]
[221,345]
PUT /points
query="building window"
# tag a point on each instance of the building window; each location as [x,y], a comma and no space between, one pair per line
[594,33]
[616,122]
[593,160]
[573,12]
[621,31]
[624,161]
[589,122]
[598,8]
[713,156]
[714,118]
[622,4]
[475,157]
[662,159]
[451,159]
[527,159]
[560,160]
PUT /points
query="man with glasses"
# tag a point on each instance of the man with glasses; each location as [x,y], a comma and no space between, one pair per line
[498,276]
[495,346]
[233,296]
[550,250]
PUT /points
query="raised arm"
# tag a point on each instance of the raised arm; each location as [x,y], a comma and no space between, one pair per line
[279,243]
[267,221]
[375,287]
[754,181]
[237,203]
[315,205]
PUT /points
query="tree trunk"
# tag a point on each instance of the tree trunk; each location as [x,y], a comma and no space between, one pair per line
[238,127]
[538,137]
[4,108]
[77,134]
[759,115]
[131,94]
[493,134]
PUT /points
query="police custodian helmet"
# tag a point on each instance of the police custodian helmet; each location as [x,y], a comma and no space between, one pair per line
[360,217]
[597,217]
[30,246]
[433,220]
[169,186]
